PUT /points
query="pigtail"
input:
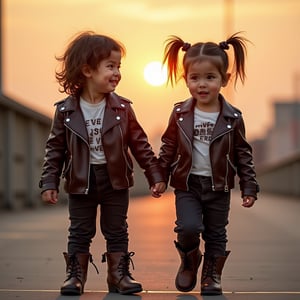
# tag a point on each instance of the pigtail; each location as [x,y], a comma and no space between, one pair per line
[240,51]
[173,45]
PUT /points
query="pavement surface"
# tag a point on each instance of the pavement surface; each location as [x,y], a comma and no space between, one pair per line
[264,263]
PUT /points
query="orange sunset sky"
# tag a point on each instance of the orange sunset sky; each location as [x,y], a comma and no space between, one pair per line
[34,31]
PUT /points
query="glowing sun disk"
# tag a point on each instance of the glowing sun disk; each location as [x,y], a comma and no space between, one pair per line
[155,73]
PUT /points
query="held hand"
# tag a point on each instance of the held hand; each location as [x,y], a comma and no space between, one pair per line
[158,189]
[50,196]
[248,201]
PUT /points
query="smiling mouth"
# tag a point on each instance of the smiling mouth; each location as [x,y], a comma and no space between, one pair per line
[203,93]
[114,82]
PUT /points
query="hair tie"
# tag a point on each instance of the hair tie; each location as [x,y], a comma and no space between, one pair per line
[186,46]
[224,45]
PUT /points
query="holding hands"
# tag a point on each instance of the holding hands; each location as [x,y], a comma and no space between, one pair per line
[158,189]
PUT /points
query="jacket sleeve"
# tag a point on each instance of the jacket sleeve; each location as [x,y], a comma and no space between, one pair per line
[244,162]
[142,150]
[54,154]
[168,147]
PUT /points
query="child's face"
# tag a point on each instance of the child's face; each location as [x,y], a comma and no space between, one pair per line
[204,82]
[107,75]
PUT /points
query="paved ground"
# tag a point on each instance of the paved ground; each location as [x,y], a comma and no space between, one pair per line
[264,262]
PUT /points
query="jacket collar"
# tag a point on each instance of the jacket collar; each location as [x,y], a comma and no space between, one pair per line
[112,117]
[114,101]
[74,117]
[185,116]
[71,103]
[185,106]
[226,116]
[227,110]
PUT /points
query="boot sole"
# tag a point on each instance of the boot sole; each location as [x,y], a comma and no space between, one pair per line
[185,290]
[113,289]
[70,292]
[209,293]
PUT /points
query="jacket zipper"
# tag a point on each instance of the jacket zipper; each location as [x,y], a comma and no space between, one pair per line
[227,162]
[230,162]
[176,161]
[226,176]
[191,148]
[89,166]
[226,189]
[125,158]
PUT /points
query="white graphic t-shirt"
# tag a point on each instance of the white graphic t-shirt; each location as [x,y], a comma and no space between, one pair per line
[93,115]
[204,123]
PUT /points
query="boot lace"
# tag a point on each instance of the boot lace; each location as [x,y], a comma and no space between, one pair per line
[92,262]
[209,269]
[74,269]
[124,264]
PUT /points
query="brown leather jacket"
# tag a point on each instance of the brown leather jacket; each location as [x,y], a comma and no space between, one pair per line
[68,154]
[230,153]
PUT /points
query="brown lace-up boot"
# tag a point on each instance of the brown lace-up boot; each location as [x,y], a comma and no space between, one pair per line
[76,269]
[186,277]
[119,279]
[211,274]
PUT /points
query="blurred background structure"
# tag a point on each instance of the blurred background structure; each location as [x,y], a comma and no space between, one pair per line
[23,133]
[277,154]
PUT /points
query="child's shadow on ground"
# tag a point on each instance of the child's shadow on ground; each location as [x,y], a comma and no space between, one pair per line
[192,297]
[108,296]
[114,296]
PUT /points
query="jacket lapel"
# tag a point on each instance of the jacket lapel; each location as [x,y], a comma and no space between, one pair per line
[224,122]
[185,117]
[74,117]
[112,116]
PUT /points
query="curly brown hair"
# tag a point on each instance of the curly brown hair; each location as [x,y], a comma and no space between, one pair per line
[87,48]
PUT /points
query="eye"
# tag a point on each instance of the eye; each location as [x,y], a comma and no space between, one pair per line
[194,77]
[210,76]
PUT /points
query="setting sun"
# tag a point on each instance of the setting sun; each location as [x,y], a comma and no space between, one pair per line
[155,73]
